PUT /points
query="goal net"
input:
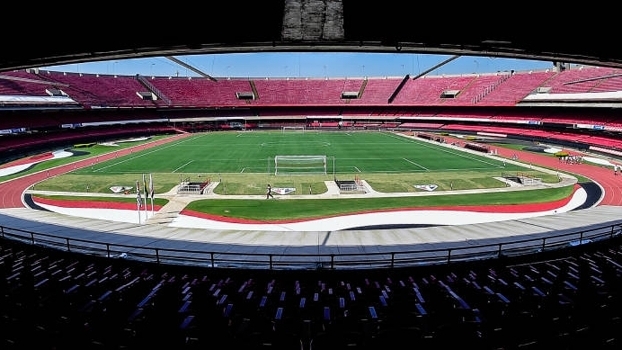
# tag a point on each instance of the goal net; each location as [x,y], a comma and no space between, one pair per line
[293,129]
[299,164]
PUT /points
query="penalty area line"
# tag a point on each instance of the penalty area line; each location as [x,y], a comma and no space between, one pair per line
[415,164]
[183,165]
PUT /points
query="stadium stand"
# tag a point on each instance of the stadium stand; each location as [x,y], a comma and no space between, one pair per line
[581,80]
[495,93]
[59,300]
[54,300]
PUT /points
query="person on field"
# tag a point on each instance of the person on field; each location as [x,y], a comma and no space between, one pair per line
[269,192]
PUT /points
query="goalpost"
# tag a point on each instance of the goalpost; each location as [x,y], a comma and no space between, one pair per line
[299,164]
[285,129]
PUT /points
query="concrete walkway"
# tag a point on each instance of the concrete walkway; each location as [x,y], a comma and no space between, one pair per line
[170,211]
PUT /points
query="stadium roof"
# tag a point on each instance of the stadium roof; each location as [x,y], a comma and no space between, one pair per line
[114,30]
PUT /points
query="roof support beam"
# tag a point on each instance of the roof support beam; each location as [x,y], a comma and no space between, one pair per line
[435,67]
[185,65]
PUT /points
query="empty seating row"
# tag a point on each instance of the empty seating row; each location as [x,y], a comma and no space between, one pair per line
[497,89]
[53,299]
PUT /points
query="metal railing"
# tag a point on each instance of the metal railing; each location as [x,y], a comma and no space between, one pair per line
[469,251]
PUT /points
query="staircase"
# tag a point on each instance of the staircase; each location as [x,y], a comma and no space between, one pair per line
[170,211]
[153,89]
[490,88]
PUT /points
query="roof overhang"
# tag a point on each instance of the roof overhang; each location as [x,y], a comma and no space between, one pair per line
[304,26]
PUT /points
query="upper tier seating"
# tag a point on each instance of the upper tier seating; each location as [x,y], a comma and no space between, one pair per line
[614,83]
[428,90]
[580,80]
[99,91]
[201,92]
[377,91]
[357,99]
[515,88]
[23,83]
[305,91]
[498,89]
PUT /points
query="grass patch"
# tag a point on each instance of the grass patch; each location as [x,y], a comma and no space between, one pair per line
[73,182]
[254,184]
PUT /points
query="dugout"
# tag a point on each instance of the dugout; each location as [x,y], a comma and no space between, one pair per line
[188,187]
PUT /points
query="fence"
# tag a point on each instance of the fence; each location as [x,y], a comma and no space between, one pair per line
[365,260]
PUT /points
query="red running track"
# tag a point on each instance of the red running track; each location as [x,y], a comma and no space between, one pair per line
[611,184]
[11,191]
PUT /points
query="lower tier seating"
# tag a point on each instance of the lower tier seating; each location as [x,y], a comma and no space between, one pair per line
[58,300]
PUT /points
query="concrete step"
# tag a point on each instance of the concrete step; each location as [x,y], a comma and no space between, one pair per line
[170,211]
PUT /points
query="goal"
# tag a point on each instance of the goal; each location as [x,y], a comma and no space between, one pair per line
[293,129]
[299,164]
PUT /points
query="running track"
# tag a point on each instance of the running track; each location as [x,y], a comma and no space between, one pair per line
[611,184]
[11,191]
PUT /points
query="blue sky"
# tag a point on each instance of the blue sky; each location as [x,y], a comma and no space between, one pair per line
[292,64]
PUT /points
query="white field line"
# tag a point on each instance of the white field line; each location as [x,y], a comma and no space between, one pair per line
[188,162]
[142,155]
[415,164]
[443,149]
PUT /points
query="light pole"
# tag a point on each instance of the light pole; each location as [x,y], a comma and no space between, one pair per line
[153,64]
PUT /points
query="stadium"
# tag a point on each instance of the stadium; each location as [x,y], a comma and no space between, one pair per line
[396,156]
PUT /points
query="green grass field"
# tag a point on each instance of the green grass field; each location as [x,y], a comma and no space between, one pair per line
[254,152]
[243,162]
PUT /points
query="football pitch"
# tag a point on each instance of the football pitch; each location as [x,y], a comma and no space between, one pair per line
[254,152]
